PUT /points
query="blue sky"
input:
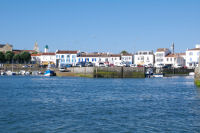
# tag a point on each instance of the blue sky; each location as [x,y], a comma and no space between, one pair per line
[100,25]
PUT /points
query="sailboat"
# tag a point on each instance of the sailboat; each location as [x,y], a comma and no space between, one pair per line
[9,73]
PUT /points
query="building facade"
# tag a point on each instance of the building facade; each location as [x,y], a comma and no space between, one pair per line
[48,58]
[66,57]
[144,58]
[5,47]
[97,58]
[192,57]
[36,58]
[127,58]
[160,55]
[175,60]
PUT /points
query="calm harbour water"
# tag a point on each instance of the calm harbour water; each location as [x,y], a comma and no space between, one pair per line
[84,105]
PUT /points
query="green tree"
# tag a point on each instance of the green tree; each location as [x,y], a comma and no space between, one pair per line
[124,52]
[2,57]
[25,57]
[9,56]
[35,52]
[17,58]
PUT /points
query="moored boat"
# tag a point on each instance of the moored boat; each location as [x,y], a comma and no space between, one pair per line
[49,73]
[9,73]
[158,75]
[191,74]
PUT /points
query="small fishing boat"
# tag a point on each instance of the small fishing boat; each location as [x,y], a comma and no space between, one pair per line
[49,73]
[10,73]
[158,75]
[191,74]
[2,73]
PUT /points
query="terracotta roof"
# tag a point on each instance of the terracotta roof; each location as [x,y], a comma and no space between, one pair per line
[66,52]
[162,49]
[181,54]
[175,55]
[48,53]
[193,49]
[100,55]
[35,54]
[126,54]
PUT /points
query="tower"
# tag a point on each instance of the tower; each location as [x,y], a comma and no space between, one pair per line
[172,47]
[46,49]
[36,48]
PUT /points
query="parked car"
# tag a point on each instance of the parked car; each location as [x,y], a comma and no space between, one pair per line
[167,66]
[68,65]
[178,66]
[160,65]
[25,66]
[101,64]
[111,65]
[133,65]
[140,66]
[80,64]
[89,64]
[62,69]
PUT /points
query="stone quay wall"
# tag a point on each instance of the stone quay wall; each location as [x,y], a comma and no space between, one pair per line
[109,72]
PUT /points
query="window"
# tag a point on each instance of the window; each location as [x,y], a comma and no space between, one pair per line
[190,53]
[167,59]
[62,56]
[68,56]
[159,54]
[159,60]
[190,59]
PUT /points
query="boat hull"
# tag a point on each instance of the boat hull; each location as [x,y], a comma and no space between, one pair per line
[49,73]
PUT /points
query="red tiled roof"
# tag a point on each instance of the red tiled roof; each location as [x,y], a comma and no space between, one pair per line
[35,54]
[48,53]
[66,52]
[193,49]
[100,55]
[175,55]
[162,49]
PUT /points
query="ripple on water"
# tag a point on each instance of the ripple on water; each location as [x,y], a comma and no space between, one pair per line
[54,104]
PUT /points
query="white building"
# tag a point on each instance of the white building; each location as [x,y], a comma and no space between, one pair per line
[192,57]
[48,58]
[160,56]
[127,58]
[100,58]
[66,57]
[175,60]
[144,58]
[36,58]
[44,58]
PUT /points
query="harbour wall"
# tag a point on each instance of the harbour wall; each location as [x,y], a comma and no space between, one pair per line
[105,72]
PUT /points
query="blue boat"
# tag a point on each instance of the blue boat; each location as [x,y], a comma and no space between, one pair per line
[49,73]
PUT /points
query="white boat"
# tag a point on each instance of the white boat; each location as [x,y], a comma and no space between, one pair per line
[2,73]
[10,73]
[159,75]
[191,74]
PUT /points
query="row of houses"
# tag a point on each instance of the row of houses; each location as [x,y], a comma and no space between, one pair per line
[61,57]
[162,57]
